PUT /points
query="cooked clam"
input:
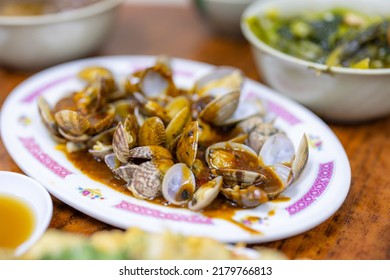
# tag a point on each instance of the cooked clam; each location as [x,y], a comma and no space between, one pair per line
[72,122]
[147,180]
[277,149]
[248,197]
[152,132]
[301,157]
[205,194]
[187,146]
[121,142]
[231,155]
[184,146]
[149,153]
[221,108]
[176,126]
[47,115]
[178,185]
[125,138]
[219,80]
[157,80]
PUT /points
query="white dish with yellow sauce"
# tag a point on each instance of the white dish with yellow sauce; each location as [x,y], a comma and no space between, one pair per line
[25,212]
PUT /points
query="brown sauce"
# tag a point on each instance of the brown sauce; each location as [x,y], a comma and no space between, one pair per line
[223,209]
[98,171]
[95,170]
[271,212]
[281,198]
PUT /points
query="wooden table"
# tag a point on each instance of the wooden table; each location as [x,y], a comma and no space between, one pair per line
[360,229]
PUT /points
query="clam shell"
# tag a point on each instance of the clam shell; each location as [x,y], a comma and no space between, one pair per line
[152,132]
[286,177]
[231,155]
[301,157]
[221,108]
[240,176]
[121,143]
[102,119]
[206,194]
[178,184]
[259,134]
[219,79]
[153,108]
[187,147]
[277,149]
[112,161]
[47,115]
[125,138]
[126,172]
[248,197]
[176,105]
[176,126]
[157,81]
[149,153]
[72,122]
[73,138]
[147,180]
[91,73]
[89,99]
[123,107]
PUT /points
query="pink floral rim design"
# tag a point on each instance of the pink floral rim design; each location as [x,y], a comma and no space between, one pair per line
[278,110]
[38,92]
[35,150]
[320,184]
[162,215]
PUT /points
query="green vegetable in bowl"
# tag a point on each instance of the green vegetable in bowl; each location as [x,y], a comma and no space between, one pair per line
[338,37]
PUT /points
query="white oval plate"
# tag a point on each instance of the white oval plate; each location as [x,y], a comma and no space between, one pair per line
[317,194]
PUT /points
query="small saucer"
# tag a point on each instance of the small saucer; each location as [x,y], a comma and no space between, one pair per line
[37,199]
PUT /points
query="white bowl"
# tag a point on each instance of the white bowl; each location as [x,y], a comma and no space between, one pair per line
[37,199]
[336,93]
[223,15]
[30,42]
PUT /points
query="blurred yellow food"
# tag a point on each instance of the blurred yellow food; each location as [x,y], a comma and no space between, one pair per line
[137,244]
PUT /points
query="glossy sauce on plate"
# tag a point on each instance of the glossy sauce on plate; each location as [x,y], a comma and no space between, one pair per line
[98,171]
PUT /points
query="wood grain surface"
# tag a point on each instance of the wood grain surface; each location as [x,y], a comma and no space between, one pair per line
[360,229]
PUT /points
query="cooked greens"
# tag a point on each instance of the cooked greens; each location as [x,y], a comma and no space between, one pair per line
[339,37]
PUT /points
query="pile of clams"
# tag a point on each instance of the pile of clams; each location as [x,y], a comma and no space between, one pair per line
[188,146]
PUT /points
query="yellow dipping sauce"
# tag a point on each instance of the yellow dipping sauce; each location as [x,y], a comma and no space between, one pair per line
[17,221]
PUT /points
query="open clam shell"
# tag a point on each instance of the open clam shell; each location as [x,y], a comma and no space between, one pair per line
[147,179]
[286,177]
[248,197]
[178,184]
[72,122]
[187,146]
[301,157]
[206,194]
[177,124]
[219,80]
[221,108]
[152,132]
[277,149]
[232,156]
[150,153]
